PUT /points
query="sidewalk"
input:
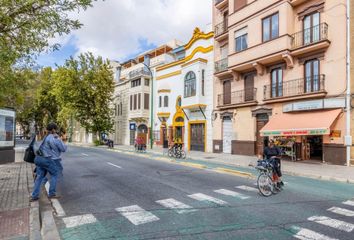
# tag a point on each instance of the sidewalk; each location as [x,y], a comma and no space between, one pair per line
[309,169]
[19,219]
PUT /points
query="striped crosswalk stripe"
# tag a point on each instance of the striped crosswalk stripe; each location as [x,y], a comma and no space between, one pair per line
[179,207]
[306,234]
[341,211]
[231,193]
[203,197]
[349,202]
[334,223]
[246,188]
[75,221]
[137,215]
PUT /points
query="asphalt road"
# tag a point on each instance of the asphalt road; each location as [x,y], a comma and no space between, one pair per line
[110,195]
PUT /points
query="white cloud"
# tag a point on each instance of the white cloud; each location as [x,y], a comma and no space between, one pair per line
[112,28]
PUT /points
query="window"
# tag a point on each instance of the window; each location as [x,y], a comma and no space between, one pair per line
[277,82]
[146,101]
[165,101]
[160,101]
[131,102]
[121,108]
[312,28]
[190,85]
[203,81]
[115,109]
[136,83]
[270,27]
[135,101]
[241,39]
[139,100]
[147,82]
[312,76]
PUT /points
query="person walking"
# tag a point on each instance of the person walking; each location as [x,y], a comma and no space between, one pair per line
[49,161]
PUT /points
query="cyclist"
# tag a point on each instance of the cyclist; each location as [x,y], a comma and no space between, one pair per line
[273,153]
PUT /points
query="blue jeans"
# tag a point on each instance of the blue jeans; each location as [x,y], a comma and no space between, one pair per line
[59,167]
[44,165]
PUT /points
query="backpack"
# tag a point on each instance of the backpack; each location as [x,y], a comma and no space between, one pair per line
[29,152]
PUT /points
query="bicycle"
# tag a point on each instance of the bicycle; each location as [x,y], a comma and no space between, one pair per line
[176,151]
[267,181]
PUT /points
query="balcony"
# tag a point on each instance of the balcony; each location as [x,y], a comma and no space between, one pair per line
[221,65]
[296,3]
[296,89]
[240,98]
[221,30]
[141,72]
[262,54]
[310,39]
[220,4]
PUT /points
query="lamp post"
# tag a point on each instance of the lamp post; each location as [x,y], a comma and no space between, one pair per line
[152,105]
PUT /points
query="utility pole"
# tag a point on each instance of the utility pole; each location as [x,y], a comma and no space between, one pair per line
[348,137]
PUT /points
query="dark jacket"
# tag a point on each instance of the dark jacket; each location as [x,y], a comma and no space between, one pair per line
[271,152]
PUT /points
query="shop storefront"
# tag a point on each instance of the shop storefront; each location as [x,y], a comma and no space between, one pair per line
[314,135]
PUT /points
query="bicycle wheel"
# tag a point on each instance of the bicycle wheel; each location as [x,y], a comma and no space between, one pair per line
[178,153]
[265,184]
[183,154]
[170,152]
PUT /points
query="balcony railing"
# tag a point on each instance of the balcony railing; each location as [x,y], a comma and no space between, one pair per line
[238,97]
[221,65]
[221,28]
[138,73]
[296,87]
[310,35]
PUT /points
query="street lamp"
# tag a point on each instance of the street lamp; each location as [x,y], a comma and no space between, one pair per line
[152,105]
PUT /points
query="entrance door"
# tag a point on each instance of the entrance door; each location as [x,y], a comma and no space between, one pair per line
[197,133]
[227,135]
[262,120]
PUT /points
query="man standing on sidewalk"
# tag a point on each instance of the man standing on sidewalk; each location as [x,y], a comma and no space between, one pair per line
[50,162]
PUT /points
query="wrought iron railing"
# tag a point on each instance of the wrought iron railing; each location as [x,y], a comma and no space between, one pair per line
[295,87]
[221,65]
[310,35]
[238,97]
[138,73]
[221,28]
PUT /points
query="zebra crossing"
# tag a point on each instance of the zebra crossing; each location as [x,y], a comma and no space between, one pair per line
[338,217]
[333,223]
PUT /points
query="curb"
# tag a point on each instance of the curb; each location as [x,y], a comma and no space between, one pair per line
[49,230]
[35,226]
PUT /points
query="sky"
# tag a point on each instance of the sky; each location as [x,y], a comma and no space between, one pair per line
[121,29]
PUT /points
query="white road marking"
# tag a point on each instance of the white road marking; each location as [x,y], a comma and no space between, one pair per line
[75,221]
[114,165]
[58,208]
[84,154]
[47,186]
[342,211]
[306,234]
[137,215]
[203,197]
[246,188]
[176,205]
[349,202]
[334,223]
[231,193]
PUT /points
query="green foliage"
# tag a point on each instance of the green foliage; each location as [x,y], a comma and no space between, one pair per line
[97,142]
[25,28]
[84,88]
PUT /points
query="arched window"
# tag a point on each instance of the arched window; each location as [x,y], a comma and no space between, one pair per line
[165,101]
[190,85]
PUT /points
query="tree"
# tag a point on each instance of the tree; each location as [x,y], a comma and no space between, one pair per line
[25,28]
[84,89]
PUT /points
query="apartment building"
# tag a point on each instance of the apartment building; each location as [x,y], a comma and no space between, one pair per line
[280,73]
[184,95]
[132,93]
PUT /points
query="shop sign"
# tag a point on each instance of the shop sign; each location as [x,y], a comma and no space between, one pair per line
[336,133]
[7,128]
[308,105]
[296,132]
[315,104]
